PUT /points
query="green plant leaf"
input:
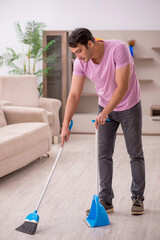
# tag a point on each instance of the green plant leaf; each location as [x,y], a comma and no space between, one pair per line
[16,70]
[19,32]
[33,32]
[13,54]
[40,89]
[48,70]
[1,61]
[39,73]
[10,56]
[49,45]
[51,59]
[32,52]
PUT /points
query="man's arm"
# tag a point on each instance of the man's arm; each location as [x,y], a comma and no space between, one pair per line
[71,105]
[122,77]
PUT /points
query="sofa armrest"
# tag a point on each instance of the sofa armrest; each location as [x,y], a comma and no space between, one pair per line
[50,104]
[15,114]
[5,103]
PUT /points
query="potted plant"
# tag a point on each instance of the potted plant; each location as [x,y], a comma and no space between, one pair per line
[30,60]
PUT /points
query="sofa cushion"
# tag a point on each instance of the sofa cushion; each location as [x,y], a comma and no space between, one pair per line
[2,118]
[20,90]
[14,138]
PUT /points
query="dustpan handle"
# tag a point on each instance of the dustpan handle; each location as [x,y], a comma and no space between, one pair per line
[107,120]
[51,173]
[96,160]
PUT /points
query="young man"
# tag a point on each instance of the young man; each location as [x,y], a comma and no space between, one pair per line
[110,66]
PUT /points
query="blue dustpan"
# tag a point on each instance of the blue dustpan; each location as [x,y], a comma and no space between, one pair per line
[97,216]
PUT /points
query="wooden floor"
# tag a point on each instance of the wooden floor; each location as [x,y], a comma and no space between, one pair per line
[70,194]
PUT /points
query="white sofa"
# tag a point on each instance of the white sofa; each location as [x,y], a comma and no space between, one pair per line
[24,136]
[21,90]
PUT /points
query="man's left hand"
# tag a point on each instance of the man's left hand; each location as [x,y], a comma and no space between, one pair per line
[101,119]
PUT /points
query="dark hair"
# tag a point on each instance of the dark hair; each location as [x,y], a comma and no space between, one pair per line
[81,36]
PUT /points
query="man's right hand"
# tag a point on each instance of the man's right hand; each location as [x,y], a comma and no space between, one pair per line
[65,133]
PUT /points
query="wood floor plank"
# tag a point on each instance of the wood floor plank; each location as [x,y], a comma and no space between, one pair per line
[71,190]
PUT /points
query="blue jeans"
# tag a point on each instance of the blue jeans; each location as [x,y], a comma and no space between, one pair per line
[131,122]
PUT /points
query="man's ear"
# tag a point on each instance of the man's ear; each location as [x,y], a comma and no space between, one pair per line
[90,43]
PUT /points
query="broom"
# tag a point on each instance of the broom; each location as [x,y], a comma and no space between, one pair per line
[31,221]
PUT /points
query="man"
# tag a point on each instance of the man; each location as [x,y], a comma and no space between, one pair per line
[110,66]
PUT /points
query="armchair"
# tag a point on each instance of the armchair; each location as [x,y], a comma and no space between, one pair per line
[24,136]
[21,90]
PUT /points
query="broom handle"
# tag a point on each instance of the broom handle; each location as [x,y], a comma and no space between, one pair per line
[51,173]
[49,179]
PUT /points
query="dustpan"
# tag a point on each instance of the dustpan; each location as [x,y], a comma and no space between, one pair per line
[97,216]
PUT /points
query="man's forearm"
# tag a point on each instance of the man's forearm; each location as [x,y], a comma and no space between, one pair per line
[116,98]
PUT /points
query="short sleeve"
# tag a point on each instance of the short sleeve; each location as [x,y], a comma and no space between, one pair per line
[78,68]
[122,56]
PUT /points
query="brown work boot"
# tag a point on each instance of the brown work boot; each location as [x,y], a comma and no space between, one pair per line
[108,207]
[137,207]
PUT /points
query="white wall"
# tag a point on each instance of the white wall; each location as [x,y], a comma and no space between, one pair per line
[69,14]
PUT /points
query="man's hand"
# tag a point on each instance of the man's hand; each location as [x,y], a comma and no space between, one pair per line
[101,119]
[65,133]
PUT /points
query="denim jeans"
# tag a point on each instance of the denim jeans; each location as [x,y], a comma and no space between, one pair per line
[131,122]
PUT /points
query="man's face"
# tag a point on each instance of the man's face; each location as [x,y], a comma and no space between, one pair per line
[82,52]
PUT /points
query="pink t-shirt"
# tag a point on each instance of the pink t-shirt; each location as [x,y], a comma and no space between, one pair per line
[116,55]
